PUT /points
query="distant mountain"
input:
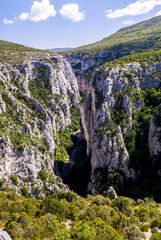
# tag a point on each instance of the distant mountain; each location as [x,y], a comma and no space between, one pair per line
[58,49]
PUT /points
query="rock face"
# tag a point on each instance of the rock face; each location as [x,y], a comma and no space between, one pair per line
[155,135]
[82,64]
[37,98]
[4,235]
[109,114]
[35,101]
[108,92]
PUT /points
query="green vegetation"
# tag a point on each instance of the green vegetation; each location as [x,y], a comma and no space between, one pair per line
[75,118]
[143,58]
[64,145]
[18,139]
[89,218]
[136,141]
[13,47]
[40,86]
[24,192]
[64,141]
[42,175]
[14,179]
[137,145]
[140,37]
[12,52]
[12,121]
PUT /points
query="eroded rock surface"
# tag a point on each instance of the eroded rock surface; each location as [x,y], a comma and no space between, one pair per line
[109,113]
[36,97]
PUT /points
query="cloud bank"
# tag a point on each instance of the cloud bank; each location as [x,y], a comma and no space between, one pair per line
[71,11]
[133,9]
[40,11]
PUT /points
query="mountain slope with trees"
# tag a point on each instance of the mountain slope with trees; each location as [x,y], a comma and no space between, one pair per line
[140,37]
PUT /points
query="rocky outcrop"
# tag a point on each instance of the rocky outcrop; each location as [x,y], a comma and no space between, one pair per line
[4,235]
[108,115]
[35,101]
[82,64]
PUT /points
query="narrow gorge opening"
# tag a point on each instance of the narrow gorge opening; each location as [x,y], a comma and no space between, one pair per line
[77,170]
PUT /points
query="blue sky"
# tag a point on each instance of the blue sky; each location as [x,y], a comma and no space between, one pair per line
[69,23]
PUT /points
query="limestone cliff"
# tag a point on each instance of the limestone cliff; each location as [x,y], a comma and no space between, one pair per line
[110,112]
[36,96]
[82,64]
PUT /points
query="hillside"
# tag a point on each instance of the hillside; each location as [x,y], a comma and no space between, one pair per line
[14,47]
[12,52]
[66,216]
[136,38]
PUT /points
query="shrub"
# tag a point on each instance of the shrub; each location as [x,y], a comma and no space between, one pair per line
[156,223]
[100,200]
[83,231]
[69,196]
[123,204]
[52,205]
[156,236]
[14,179]
[133,233]
[144,227]
[120,221]
[144,213]
[20,148]
[48,225]
[42,175]
[24,192]
[104,231]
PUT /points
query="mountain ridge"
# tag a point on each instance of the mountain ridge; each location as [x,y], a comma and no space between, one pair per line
[145,24]
[120,37]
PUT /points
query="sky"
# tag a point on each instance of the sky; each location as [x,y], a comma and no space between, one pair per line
[47,24]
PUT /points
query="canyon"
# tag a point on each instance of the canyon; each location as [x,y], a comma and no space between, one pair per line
[37,100]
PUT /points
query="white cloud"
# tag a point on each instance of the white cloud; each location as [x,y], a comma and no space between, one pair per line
[158,13]
[109,11]
[136,8]
[6,21]
[128,22]
[71,11]
[39,11]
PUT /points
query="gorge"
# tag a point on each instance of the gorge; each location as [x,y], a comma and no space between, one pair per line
[77,131]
